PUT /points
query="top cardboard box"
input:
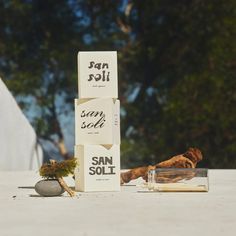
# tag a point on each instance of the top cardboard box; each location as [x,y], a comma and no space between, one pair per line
[97,74]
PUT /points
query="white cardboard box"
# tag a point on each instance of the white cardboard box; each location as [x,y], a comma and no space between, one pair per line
[97,121]
[99,168]
[97,73]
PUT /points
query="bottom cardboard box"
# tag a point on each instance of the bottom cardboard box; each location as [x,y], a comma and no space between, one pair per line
[98,169]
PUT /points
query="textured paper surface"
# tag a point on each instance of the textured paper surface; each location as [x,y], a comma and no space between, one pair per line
[97,73]
[97,121]
[99,168]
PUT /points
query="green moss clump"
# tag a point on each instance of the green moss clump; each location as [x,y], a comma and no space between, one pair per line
[58,169]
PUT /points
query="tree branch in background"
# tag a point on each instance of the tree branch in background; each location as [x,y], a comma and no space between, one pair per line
[123,24]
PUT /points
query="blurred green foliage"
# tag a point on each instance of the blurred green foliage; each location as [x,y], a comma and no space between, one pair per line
[177,69]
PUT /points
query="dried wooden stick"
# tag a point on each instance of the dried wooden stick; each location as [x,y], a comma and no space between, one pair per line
[188,159]
[65,186]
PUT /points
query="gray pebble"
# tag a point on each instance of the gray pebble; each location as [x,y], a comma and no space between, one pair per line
[49,188]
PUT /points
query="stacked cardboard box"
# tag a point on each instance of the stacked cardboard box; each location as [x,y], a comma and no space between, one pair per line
[97,123]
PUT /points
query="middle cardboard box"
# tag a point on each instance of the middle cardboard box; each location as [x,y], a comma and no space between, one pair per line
[97,121]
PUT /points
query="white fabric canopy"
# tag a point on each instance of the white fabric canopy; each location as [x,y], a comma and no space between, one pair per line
[18,143]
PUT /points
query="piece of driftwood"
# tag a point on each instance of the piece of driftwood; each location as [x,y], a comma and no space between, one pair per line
[189,159]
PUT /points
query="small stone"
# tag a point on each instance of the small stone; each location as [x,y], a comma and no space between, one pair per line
[49,188]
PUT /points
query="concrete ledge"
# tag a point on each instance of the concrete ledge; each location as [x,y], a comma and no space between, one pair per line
[117,213]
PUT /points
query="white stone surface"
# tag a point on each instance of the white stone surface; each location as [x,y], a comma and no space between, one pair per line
[128,212]
[19,150]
